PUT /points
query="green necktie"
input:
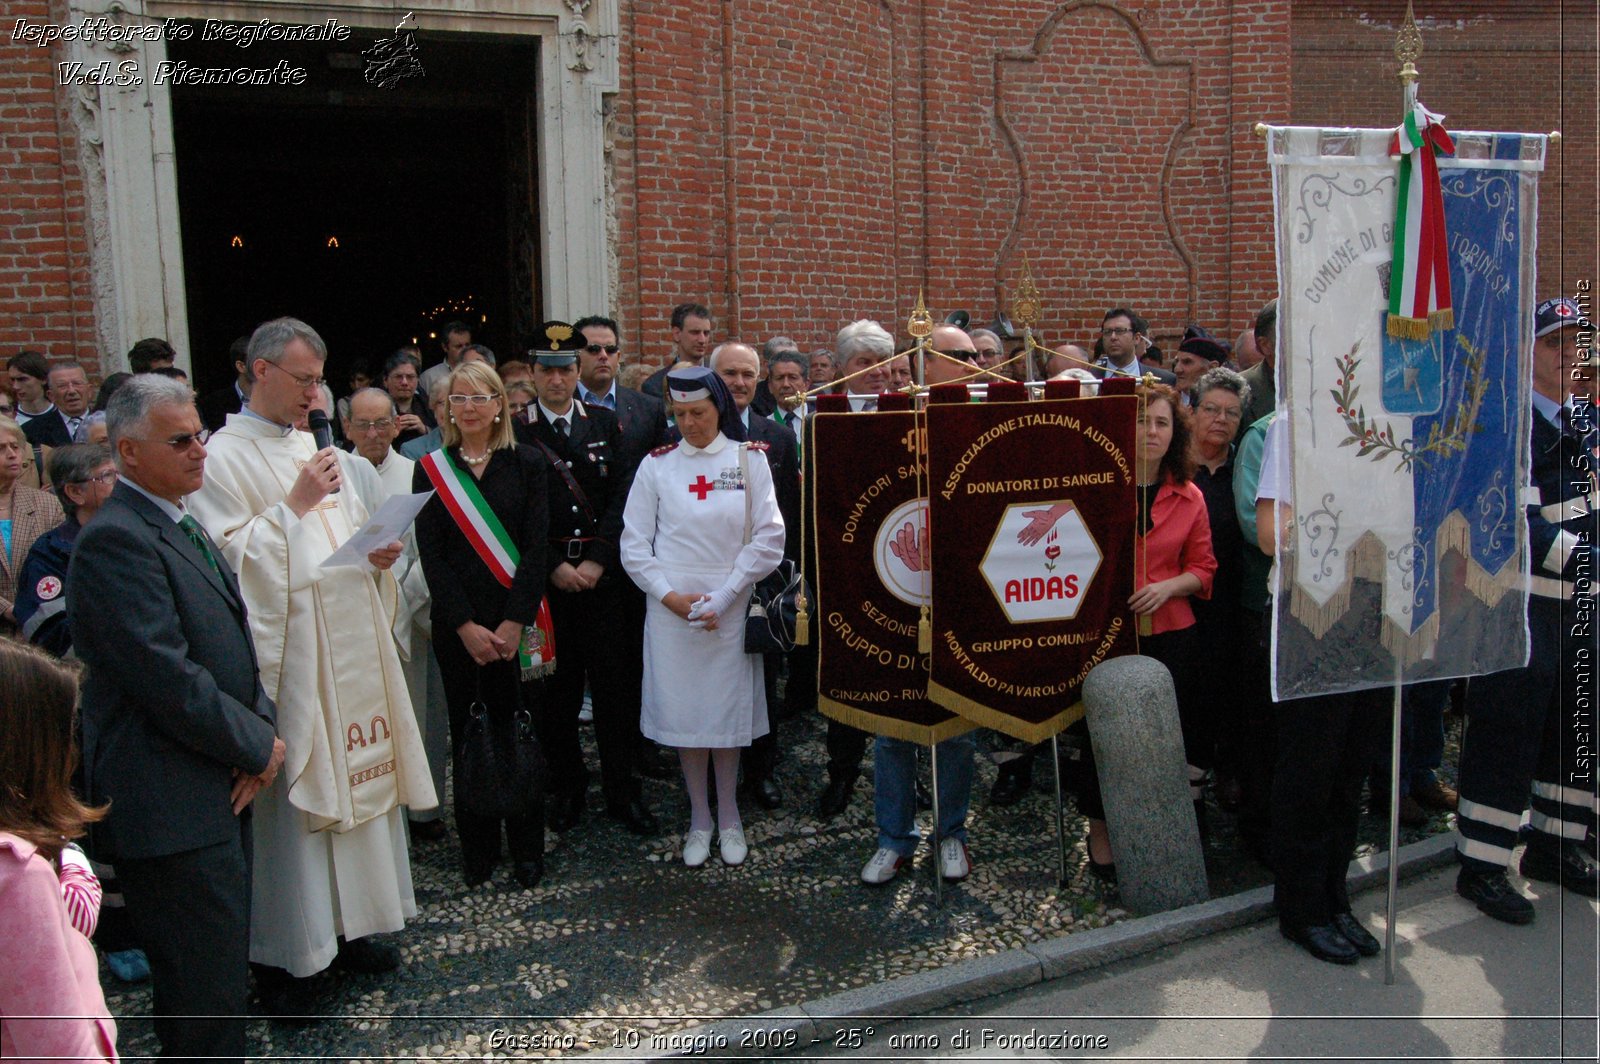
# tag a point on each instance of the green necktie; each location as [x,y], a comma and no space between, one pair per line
[191,528]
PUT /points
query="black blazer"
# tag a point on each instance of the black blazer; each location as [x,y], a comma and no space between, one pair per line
[590,455]
[643,421]
[48,430]
[463,588]
[783,457]
[173,702]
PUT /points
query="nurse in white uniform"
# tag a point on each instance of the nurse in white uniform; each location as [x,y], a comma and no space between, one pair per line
[700,528]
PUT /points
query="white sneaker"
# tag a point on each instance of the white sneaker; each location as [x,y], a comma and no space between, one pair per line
[730,841]
[884,866]
[696,848]
[954,864]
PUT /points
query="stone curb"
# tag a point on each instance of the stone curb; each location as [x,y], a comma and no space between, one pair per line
[798,1026]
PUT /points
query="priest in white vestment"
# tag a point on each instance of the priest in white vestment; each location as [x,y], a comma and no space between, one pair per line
[330,844]
[370,425]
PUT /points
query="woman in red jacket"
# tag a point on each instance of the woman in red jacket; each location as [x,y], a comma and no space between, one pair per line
[1173,561]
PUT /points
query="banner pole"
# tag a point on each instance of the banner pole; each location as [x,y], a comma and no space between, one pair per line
[1061,822]
[933,775]
[1394,820]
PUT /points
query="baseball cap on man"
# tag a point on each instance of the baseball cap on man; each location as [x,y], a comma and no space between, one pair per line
[1556,314]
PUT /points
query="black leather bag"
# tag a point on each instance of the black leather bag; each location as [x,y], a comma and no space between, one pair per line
[769,623]
[500,770]
[769,619]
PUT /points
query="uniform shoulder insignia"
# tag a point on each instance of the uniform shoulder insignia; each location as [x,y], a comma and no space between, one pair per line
[659,451]
[758,445]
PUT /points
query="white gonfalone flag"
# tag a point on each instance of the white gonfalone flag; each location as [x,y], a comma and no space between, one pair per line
[1408,455]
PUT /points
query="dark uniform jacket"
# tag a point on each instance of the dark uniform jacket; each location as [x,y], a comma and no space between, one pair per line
[41,606]
[783,458]
[587,528]
[1562,512]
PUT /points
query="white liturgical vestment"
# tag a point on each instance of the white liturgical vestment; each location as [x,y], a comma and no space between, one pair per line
[330,847]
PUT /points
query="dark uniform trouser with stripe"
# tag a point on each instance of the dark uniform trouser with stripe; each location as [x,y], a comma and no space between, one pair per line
[1518,743]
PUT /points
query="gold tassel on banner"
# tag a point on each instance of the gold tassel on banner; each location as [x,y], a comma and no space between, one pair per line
[802,621]
[924,633]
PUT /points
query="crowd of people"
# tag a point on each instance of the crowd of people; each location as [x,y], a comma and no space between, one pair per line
[265,720]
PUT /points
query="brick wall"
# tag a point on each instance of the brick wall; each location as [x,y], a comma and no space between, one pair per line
[44,264]
[1515,65]
[797,175]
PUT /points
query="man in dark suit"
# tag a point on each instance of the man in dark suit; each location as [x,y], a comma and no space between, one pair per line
[588,486]
[739,367]
[68,387]
[178,734]
[216,406]
[1123,336]
[642,420]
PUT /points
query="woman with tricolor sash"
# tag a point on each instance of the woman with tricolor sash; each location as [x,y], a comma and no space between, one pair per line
[482,543]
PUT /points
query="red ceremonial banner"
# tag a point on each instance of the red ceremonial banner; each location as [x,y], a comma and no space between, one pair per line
[1031,509]
[869,523]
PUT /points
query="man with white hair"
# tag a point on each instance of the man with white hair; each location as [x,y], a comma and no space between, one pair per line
[329,834]
[371,427]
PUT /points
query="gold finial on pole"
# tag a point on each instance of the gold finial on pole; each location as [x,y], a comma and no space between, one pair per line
[1025,309]
[921,323]
[1408,47]
[1025,302]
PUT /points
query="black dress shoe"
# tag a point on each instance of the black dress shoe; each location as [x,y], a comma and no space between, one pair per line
[1569,864]
[652,763]
[1010,787]
[566,811]
[1322,942]
[368,956]
[1106,871]
[836,795]
[1494,896]
[1359,937]
[765,793]
[528,873]
[635,816]
[286,999]
[426,830]
[476,872]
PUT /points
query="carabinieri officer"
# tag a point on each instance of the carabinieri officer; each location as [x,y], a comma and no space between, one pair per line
[587,485]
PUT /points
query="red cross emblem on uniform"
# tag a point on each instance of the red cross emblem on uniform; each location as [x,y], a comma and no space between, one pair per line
[701,487]
[48,588]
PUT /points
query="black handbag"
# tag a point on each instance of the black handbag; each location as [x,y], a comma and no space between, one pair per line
[770,618]
[499,772]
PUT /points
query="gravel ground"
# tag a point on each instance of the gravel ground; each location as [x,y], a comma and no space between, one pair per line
[621,940]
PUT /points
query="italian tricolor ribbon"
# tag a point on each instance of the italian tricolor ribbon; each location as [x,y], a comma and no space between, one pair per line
[470,510]
[1419,279]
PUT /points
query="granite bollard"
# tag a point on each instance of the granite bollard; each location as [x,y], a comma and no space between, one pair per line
[1144,780]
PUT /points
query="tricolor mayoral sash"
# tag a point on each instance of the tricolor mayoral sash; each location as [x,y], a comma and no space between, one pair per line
[536,654]
[1032,514]
[870,527]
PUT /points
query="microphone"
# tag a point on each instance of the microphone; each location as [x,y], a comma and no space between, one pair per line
[321,431]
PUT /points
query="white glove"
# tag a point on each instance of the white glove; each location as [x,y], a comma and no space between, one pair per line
[696,608]
[719,600]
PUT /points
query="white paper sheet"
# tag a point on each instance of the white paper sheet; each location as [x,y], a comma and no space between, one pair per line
[382,528]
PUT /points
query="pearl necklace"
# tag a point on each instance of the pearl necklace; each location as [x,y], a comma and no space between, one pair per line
[478,461]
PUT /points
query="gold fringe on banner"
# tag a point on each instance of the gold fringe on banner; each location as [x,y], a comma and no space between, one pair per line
[893,727]
[1403,328]
[1005,723]
[1366,561]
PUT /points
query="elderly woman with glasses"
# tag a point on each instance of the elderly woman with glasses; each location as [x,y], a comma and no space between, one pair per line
[25,515]
[1220,398]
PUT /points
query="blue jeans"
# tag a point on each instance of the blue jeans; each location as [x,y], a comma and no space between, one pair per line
[894,799]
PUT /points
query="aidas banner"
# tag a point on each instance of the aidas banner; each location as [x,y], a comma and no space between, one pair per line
[870,525]
[1408,445]
[1032,513]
